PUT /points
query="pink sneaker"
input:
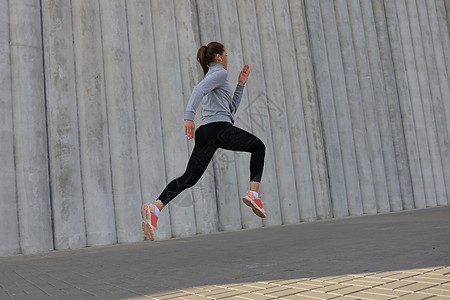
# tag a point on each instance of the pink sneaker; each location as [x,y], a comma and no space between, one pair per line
[149,220]
[255,204]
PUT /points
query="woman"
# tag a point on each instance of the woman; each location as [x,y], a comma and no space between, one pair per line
[216,131]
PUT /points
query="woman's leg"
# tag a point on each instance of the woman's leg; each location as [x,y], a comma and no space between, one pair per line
[201,156]
[254,186]
[236,139]
[198,162]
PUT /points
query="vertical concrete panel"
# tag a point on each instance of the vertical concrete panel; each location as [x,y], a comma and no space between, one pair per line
[258,108]
[369,203]
[327,109]
[191,74]
[438,45]
[405,107]
[425,99]
[447,8]
[311,109]
[343,118]
[419,119]
[379,93]
[172,113]
[444,30]
[435,114]
[231,37]
[279,126]
[370,116]
[121,121]
[295,112]
[9,226]
[226,190]
[30,135]
[393,106]
[64,150]
[147,111]
[93,124]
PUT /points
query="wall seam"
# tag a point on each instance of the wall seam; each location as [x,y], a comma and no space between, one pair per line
[107,117]
[14,144]
[44,75]
[78,127]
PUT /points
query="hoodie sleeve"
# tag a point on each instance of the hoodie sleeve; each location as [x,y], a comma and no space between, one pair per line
[237,98]
[209,83]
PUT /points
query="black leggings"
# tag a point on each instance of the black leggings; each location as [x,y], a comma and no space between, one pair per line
[209,138]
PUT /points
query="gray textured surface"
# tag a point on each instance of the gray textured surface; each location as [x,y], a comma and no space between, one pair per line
[351,99]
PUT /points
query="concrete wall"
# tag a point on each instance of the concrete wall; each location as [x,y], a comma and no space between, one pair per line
[351,98]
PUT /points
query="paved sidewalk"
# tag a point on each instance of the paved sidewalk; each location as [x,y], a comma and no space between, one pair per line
[399,255]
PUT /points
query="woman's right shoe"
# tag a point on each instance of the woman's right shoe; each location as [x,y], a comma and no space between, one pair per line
[255,204]
[149,220]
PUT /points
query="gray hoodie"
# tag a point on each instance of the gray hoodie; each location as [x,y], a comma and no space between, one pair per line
[220,105]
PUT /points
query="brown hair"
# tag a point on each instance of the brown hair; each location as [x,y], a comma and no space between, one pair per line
[206,54]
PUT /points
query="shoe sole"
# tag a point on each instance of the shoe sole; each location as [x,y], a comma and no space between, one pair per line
[249,202]
[147,227]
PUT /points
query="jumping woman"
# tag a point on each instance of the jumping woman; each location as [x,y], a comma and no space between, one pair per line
[216,131]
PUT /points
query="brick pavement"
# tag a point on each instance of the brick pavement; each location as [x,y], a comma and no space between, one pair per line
[402,255]
[427,283]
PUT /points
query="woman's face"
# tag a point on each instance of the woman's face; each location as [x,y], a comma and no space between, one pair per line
[222,59]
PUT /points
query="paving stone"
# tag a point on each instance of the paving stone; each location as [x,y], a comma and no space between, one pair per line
[271,290]
[193,297]
[245,288]
[307,285]
[386,274]
[400,276]
[252,296]
[391,293]
[283,293]
[365,295]
[311,294]
[438,298]
[442,271]
[428,278]
[414,287]
[216,292]
[285,282]
[331,287]
[435,291]
[227,294]
[347,290]
[366,282]
[261,285]
[394,285]
[414,296]
[169,295]
[338,279]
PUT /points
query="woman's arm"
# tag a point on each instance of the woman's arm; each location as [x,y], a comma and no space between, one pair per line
[243,76]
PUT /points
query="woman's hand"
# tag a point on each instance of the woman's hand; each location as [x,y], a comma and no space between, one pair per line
[189,129]
[243,76]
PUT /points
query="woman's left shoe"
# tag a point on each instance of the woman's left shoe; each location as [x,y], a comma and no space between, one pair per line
[149,220]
